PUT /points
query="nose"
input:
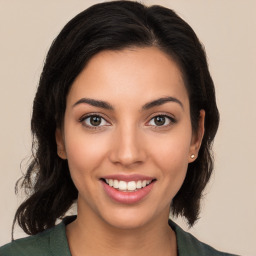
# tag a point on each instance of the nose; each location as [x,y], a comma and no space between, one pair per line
[127,148]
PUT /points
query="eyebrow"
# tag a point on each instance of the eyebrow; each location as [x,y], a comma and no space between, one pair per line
[95,103]
[106,105]
[162,101]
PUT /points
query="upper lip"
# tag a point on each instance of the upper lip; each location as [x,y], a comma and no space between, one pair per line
[131,177]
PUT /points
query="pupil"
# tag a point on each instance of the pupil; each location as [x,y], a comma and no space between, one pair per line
[95,120]
[159,120]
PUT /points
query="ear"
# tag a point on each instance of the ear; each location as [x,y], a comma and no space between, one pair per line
[61,151]
[197,138]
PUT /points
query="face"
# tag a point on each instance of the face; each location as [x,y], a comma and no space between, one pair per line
[127,136]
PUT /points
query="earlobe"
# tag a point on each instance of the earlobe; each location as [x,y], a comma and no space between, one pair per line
[197,138]
[61,151]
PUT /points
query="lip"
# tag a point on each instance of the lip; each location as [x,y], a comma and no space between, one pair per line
[127,197]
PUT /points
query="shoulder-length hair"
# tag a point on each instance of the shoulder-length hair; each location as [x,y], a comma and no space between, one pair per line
[111,26]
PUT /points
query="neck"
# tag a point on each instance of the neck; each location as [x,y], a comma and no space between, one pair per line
[88,235]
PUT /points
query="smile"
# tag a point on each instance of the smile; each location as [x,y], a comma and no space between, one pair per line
[130,186]
[127,189]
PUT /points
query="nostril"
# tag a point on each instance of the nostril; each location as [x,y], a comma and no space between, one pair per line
[127,153]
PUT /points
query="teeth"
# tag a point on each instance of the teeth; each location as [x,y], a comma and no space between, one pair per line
[122,185]
[131,185]
[128,186]
[115,184]
[139,185]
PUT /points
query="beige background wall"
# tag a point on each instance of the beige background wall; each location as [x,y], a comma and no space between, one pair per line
[228,30]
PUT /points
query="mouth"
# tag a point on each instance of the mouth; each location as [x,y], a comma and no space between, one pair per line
[128,189]
[128,186]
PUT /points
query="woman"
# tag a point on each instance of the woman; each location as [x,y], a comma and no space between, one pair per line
[123,122]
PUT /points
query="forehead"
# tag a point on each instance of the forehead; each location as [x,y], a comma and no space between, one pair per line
[131,75]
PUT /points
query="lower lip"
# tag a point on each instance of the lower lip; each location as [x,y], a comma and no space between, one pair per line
[127,197]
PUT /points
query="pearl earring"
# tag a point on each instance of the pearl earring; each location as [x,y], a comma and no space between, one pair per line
[192,156]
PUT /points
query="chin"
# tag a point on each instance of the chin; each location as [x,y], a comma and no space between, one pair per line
[127,224]
[127,219]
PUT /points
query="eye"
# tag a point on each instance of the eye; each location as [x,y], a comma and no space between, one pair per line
[93,121]
[161,120]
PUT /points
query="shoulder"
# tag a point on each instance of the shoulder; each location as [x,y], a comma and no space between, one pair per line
[32,245]
[188,245]
[43,244]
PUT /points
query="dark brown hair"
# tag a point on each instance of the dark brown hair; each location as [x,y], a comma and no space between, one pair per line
[111,26]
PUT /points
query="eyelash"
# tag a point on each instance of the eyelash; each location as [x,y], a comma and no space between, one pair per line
[172,120]
[82,120]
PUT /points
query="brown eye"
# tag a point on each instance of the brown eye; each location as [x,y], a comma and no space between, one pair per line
[161,120]
[94,121]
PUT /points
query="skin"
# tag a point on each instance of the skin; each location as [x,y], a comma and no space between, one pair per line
[127,141]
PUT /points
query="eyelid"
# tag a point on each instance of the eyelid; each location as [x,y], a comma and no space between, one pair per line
[169,116]
[88,115]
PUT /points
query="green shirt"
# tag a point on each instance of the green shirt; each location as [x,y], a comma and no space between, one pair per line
[53,242]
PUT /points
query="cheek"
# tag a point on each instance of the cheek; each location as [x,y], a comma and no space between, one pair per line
[173,163]
[85,152]
[171,157]
[173,167]
[172,148]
